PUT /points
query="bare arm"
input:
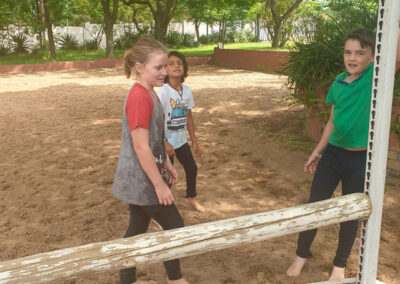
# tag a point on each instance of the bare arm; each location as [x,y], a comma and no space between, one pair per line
[192,134]
[140,138]
[315,156]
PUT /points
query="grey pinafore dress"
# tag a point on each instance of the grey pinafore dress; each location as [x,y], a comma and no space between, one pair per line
[131,184]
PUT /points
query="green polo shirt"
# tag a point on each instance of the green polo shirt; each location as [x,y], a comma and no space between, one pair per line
[352,109]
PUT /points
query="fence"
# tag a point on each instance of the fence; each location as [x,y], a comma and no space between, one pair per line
[95,31]
[155,247]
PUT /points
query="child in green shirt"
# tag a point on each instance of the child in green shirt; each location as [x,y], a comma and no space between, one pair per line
[341,152]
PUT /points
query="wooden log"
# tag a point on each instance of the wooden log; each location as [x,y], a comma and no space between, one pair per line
[191,240]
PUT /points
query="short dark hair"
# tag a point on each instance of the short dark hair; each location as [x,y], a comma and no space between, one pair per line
[366,38]
[185,65]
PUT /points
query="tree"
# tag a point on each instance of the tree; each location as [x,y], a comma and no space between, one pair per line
[280,13]
[227,12]
[110,16]
[195,11]
[22,14]
[54,13]
[49,25]
[162,11]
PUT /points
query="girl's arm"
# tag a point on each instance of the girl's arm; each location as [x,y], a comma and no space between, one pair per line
[192,134]
[315,156]
[140,137]
[172,174]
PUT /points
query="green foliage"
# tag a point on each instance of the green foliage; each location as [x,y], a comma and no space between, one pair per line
[20,43]
[4,50]
[224,12]
[176,39]
[68,42]
[396,124]
[188,40]
[278,18]
[90,44]
[208,39]
[173,38]
[313,65]
[244,36]
[126,40]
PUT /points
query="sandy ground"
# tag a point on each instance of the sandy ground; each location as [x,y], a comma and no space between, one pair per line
[59,140]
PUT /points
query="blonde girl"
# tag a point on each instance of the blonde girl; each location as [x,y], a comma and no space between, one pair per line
[144,170]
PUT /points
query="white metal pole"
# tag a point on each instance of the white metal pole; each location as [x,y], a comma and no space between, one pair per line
[381,105]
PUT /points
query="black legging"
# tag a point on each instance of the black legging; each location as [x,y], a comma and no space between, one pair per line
[336,164]
[185,157]
[169,218]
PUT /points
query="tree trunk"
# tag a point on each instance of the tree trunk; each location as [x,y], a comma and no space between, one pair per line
[50,35]
[109,41]
[109,20]
[43,31]
[39,20]
[160,28]
[222,30]
[196,28]
[277,35]
[258,30]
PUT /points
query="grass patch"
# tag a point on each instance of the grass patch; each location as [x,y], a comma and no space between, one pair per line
[208,50]
[85,55]
[62,55]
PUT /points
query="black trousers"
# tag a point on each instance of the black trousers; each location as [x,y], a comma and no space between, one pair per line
[336,164]
[185,157]
[169,218]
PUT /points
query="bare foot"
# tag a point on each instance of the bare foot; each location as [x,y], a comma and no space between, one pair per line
[179,281]
[195,204]
[337,273]
[145,282]
[295,269]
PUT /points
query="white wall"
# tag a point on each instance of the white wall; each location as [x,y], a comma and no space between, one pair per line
[90,31]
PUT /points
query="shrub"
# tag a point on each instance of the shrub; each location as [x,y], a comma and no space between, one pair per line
[173,38]
[177,39]
[209,39]
[68,42]
[126,40]
[230,37]
[20,43]
[90,44]
[188,40]
[245,36]
[312,66]
[4,50]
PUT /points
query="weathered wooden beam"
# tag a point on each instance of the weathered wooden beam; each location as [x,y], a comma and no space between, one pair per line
[347,280]
[159,246]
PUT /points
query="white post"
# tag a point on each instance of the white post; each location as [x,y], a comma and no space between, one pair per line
[381,105]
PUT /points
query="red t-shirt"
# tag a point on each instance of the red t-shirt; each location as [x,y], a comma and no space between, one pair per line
[139,107]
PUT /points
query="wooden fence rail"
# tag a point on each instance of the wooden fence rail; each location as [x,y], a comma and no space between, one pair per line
[191,240]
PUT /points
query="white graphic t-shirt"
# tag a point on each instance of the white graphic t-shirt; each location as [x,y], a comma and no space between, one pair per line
[176,105]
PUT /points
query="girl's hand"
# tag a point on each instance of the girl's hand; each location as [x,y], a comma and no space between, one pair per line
[164,194]
[170,149]
[312,162]
[171,172]
[196,149]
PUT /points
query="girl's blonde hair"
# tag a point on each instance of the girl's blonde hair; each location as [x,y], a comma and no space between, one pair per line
[140,52]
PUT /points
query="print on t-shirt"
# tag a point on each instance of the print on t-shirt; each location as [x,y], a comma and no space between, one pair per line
[177,117]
